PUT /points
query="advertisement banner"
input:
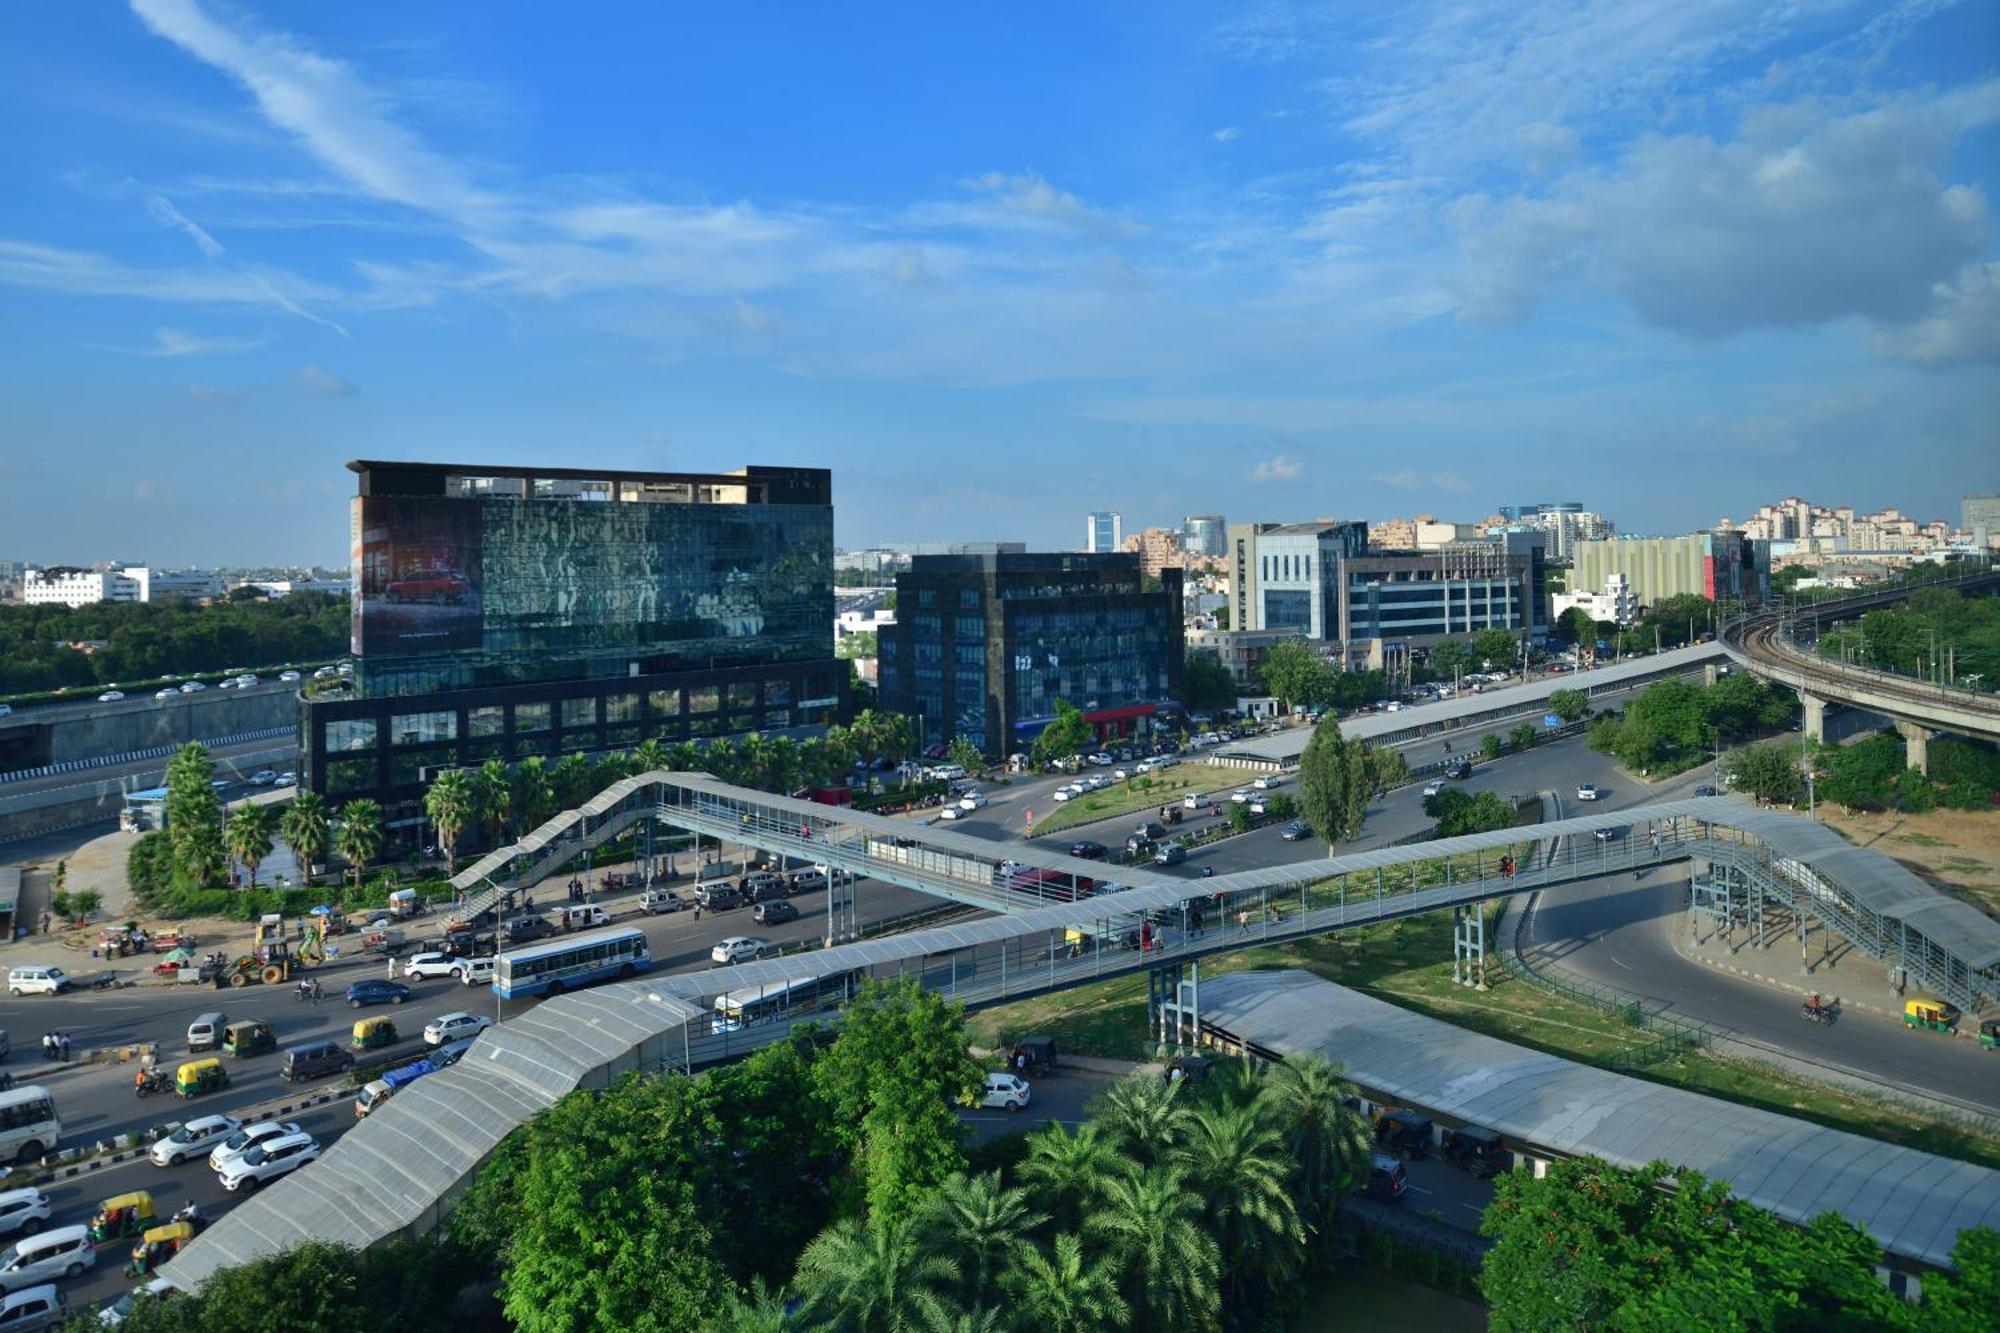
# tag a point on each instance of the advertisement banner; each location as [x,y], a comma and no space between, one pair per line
[418,575]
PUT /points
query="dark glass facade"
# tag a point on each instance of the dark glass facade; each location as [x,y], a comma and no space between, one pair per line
[985,645]
[503,613]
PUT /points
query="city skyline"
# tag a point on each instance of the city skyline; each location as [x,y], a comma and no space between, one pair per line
[1351,266]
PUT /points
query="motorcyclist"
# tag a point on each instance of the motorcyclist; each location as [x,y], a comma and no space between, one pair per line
[190,1212]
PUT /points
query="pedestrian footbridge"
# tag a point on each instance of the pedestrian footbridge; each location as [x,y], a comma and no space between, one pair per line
[398,1171]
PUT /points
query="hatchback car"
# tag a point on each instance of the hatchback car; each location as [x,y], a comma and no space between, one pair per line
[1586,791]
[269,1160]
[421,966]
[246,1138]
[736,949]
[1066,793]
[1087,851]
[29,1309]
[194,1139]
[110,696]
[1295,831]
[288,779]
[264,777]
[192,687]
[169,693]
[773,912]
[288,677]
[1005,1090]
[454,1027]
[377,992]
[23,1210]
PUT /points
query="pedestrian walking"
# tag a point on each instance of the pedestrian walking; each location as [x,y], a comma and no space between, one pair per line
[392,967]
[48,1046]
[316,990]
[62,1041]
[45,923]
[697,910]
[1243,921]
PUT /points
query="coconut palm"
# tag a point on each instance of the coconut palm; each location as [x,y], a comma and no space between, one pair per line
[1151,1224]
[683,757]
[781,764]
[1235,1159]
[1305,1097]
[1144,1117]
[570,780]
[358,835]
[1068,1170]
[303,828]
[980,1224]
[493,797]
[872,1278]
[1066,1291]
[980,1319]
[649,757]
[248,836]
[533,796]
[451,803]
[759,1310]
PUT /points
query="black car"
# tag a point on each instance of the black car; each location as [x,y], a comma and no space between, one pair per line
[1088,851]
[1706,789]
[376,992]
[1138,844]
[718,895]
[1295,830]
[1459,771]
[524,930]
[774,911]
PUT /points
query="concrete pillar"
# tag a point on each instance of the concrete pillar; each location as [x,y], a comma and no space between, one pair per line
[1815,716]
[1709,675]
[1916,746]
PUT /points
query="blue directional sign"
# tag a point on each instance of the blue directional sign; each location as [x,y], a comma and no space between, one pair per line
[1551,721]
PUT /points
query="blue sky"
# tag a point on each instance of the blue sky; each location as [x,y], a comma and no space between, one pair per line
[995,266]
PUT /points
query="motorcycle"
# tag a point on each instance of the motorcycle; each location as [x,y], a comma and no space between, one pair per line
[1816,1010]
[152,1081]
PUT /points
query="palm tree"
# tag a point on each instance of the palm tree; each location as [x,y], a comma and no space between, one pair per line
[611,768]
[534,799]
[494,797]
[683,757]
[872,1278]
[1063,1293]
[303,827]
[1152,1225]
[980,1224]
[248,834]
[570,781]
[1306,1098]
[1235,1160]
[721,759]
[358,835]
[1143,1116]
[978,1319]
[649,757]
[1069,1170]
[781,764]
[451,803]
[759,1310]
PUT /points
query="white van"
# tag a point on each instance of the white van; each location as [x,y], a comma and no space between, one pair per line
[581,916]
[37,980]
[474,971]
[63,1252]
[205,1033]
[33,1308]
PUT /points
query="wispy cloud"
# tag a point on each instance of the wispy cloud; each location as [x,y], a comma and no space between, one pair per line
[1282,467]
[164,210]
[1226,134]
[170,342]
[323,383]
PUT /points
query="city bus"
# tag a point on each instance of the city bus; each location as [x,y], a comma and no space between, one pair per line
[795,997]
[28,1124]
[558,965]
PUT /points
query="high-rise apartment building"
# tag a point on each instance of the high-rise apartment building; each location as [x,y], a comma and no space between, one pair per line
[503,612]
[1204,534]
[1103,532]
[984,646]
[1714,565]
[1979,517]
[1566,524]
[1157,549]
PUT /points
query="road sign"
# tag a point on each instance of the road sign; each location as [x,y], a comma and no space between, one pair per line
[1551,721]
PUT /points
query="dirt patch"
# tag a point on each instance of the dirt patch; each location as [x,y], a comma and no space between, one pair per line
[1957,850]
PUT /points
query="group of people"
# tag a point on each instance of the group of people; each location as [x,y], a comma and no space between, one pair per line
[56,1046]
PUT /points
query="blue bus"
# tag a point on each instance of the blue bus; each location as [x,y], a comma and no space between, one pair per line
[580,960]
[783,999]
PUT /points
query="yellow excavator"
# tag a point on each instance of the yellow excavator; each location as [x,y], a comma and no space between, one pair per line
[272,959]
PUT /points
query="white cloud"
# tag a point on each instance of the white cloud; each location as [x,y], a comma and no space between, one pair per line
[1282,467]
[1227,134]
[179,221]
[1963,327]
[1411,480]
[170,342]
[322,383]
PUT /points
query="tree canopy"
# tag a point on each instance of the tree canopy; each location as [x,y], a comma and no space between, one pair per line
[1337,779]
[145,640]
[1296,675]
[1207,684]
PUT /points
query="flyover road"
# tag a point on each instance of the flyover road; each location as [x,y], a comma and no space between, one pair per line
[233,763]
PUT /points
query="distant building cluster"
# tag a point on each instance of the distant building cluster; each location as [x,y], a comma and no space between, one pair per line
[63,585]
[1839,529]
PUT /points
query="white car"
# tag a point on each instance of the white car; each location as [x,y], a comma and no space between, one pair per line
[953,812]
[288,676]
[473,971]
[1586,791]
[269,1160]
[325,673]
[1005,1090]
[972,800]
[196,1137]
[192,687]
[1099,760]
[24,1210]
[264,777]
[736,949]
[243,1140]
[110,696]
[1066,794]
[1433,788]
[288,779]
[1269,781]
[1241,795]
[454,1027]
[245,681]
[168,693]
[1195,801]
[420,966]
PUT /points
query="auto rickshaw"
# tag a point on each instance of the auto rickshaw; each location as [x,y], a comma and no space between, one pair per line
[1935,1015]
[1479,1151]
[121,1216]
[157,1246]
[370,1033]
[1033,1055]
[1989,1034]
[248,1038]
[1404,1133]
[1188,1069]
[198,1076]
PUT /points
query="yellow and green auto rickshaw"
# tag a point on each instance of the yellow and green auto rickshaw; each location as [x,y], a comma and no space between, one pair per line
[248,1038]
[1989,1034]
[120,1216]
[198,1076]
[157,1246]
[370,1033]
[1935,1015]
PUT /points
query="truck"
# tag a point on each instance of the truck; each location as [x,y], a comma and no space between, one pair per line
[382,1089]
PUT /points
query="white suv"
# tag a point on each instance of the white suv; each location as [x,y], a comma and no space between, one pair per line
[736,949]
[194,1138]
[419,966]
[454,1027]
[1586,791]
[268,1160]
[473,971]
[243,1140]
[23,1210]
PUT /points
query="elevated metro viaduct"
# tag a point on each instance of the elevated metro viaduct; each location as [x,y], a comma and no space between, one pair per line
[398,1171]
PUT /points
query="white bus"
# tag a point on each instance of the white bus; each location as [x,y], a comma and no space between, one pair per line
[797,996]
[557,965]
[28,1124]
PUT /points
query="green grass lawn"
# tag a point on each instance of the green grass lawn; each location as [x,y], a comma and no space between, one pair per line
[1148,791]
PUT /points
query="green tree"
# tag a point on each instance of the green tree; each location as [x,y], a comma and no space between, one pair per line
[1967,1295]
[248,835]
[304,830]
[1067,1291]
[194,815]
[533,795]
[648,756]
[1238,815]
[1296,675]
[1206,685]
[777,1179]
[1915,793]
[1065,737]
[859,644]
[1067,1170]
[1307,1100]
[1449,657]
[1740,705]
[1522,736]
[1666,724]
[492,798]
[1234,1159]
[1496,649]
[982,1226]
[873,1277]
[965,754]
[451,802]
[324,1287]
[892,1078]
[1576,626]
[1459,812]
[1151,1223]
[1569,705]
[1144,1117]
[1490,746]
[1862,776]
[1768,773]
[358,835]
[570,781]
[760,1309]
[1336,782]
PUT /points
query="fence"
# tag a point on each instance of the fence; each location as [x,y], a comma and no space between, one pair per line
[139,756]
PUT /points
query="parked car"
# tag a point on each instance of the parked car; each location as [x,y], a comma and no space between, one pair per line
[455,1026]
[1066,794]
[737,949]
[774,912]
[1586,791]
[268,1161]
[1099,760]
[377,992]
[1005,1090]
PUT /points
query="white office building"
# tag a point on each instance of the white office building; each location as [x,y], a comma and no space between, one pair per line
[1617,603]
[1104,532]
[65,586]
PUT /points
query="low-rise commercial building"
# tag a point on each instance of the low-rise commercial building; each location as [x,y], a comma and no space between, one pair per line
[1615,604]
[985,645]
[1715,565]
[1241,651]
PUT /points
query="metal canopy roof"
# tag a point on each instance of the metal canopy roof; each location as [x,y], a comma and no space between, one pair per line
[1913,1203]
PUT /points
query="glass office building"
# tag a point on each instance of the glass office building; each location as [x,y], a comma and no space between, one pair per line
[507,612]
[984,646]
